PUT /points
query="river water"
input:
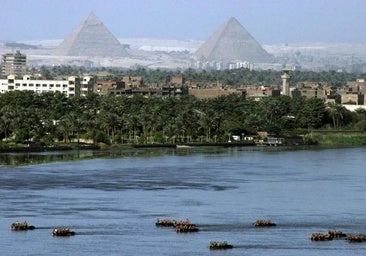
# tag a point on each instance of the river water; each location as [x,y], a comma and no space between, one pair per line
[112,201]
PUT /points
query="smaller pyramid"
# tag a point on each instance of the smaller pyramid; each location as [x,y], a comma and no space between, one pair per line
[91,38]
[232,42]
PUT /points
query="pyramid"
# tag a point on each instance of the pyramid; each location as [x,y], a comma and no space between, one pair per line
[91,38]
[232,42]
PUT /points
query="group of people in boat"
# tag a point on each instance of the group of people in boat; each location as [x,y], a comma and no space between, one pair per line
[337,234]
[23,226]
[16,226]
[320,237]
[186,228]
[264,223]
[356,237]
[62,232]
[214,245]
[180,226]
[165,223]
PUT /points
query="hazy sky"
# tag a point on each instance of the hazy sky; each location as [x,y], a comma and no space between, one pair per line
[269,21]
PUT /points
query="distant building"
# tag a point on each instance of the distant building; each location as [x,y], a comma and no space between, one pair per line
[237,65]
[133,82]
[177,80]
[357,86]
[70,87]
[311,90]
[211,90]
[286,82]
[86,86]
[211,93]
[258,91]
[13,64]
[109,87]
[353,92]
[352,98]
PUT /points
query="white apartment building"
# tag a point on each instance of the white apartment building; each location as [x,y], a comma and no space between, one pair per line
[71,87]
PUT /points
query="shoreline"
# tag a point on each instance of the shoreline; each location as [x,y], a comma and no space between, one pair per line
[312,139]
[30,149]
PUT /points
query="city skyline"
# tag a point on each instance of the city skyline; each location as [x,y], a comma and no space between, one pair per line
[269,21]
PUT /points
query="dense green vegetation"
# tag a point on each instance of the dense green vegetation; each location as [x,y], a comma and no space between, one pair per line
[51,117]
[338,139]
[236,77]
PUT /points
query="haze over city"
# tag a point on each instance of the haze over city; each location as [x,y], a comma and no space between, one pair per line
[269,21]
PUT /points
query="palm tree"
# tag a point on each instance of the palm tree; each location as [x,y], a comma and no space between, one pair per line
[336,112]
[6,120]
[64,125]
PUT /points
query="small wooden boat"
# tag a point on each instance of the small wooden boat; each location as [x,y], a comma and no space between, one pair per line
[62,232]
[320,237]
[171,223]
[356,238]
[185,228]
[215,245]
[21,226]
[165,223]
[264,223]
[336,234]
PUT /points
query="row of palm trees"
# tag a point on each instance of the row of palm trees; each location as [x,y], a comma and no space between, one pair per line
[52,117]
[235,77]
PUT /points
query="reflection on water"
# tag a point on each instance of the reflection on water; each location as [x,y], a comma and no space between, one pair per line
[31,158]
[17,159]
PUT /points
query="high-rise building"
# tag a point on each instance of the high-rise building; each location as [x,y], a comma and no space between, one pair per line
[13,64]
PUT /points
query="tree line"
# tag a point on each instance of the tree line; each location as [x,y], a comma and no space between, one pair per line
[235,77]
[50,117]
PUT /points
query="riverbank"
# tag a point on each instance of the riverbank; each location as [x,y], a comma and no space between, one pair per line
[319,138]
[198,144]
[337,139]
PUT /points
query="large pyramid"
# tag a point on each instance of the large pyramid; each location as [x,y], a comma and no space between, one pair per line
[232,42]
[91,38]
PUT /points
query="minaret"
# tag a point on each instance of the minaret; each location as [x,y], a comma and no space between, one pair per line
[286,82]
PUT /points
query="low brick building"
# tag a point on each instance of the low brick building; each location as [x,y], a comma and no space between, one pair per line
[109,87]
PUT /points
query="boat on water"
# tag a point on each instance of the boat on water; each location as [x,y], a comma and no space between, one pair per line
[215,245]
[21,226]
[62,232]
